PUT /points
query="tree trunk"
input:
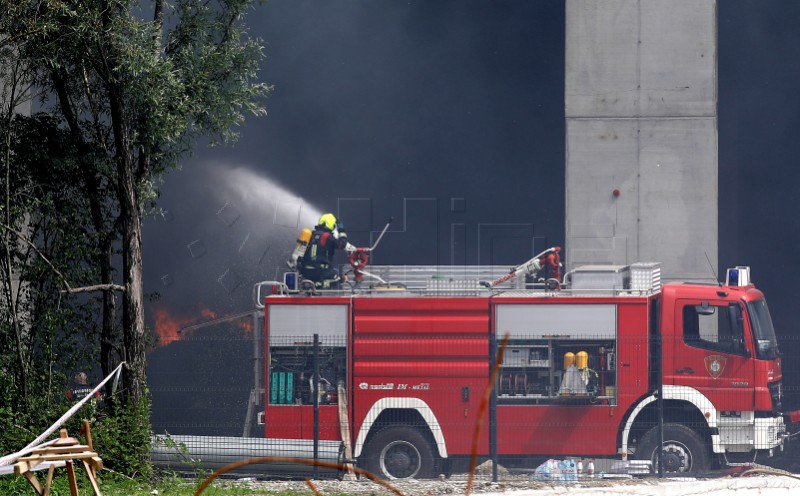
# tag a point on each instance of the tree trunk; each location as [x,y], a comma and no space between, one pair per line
[135,380]
[109,319]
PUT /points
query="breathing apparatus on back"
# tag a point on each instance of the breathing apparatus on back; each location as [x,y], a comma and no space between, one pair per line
[300,247]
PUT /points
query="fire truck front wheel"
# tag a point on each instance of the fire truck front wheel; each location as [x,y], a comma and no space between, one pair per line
[399,452]
[684,450]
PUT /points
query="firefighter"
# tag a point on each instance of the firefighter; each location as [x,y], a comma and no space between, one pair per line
[317,262]
[80,387]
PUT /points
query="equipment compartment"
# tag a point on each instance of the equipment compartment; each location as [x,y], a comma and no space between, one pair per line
[546,371]
[291,373]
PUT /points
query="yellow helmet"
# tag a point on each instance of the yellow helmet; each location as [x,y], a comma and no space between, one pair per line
[327,220]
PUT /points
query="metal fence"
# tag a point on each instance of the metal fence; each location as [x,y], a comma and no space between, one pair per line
[596,398]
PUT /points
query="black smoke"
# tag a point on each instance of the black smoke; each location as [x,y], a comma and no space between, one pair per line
[449,116]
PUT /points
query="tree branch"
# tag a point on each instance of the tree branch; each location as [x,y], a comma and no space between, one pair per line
[38,252]
[96,287]
[158,19]
[12,39]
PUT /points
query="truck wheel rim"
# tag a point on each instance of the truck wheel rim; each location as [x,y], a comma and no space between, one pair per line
[677,457]
[400,460]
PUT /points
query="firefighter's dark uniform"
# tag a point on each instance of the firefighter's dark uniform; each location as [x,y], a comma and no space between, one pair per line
[78,391]
[80,388]
[317,262]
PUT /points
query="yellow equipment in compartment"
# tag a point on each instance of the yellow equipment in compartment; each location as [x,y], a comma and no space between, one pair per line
[582,360]
[577,375]
[569,359]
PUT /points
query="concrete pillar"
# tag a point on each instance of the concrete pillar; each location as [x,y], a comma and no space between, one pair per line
[641,124]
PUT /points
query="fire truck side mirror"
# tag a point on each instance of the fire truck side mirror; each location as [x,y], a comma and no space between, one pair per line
[705,309]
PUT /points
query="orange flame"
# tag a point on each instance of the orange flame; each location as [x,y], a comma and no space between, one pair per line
[168,326]
[246,326]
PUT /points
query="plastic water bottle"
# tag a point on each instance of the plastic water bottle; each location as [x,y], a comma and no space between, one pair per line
[590,468]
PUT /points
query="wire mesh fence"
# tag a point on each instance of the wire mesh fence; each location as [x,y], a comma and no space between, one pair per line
[429,389]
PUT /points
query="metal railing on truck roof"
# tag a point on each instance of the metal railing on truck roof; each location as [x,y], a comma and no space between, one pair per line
[475,280]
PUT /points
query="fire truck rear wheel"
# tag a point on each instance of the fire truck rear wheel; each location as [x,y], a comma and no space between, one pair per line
[684,450]
[399,452]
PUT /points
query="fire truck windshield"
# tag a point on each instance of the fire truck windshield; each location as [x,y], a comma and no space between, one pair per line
[763,332]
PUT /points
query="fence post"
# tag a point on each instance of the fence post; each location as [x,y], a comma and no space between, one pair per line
[493,407]
[316,404]
[659,363]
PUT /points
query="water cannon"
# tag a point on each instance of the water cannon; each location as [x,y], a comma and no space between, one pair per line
[548,258]
[359,258]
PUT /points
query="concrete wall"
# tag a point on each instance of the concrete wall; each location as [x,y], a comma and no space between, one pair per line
[641,124]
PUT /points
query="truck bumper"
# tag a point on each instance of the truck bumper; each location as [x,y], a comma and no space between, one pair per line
[755,433]
[769,433]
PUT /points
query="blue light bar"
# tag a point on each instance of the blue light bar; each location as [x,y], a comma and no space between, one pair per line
[738,276]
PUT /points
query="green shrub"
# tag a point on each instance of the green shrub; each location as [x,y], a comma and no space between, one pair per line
[123,440]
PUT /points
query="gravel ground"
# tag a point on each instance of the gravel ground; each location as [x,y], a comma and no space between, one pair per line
[454,485]
[757,485]
[768,481]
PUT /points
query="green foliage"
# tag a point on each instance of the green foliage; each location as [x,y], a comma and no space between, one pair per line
[113,485]
[15,436]
[20,427]
[182,453]
[124,98]
[48,214]
[124,440]
[198,78]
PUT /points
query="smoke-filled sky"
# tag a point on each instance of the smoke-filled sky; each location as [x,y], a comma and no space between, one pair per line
[449,116]
[446,115]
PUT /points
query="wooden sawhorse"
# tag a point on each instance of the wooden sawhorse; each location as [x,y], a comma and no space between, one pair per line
[66,449]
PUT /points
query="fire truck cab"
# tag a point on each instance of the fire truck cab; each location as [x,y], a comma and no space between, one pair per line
[399,372]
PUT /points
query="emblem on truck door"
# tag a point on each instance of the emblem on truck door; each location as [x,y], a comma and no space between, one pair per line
[715,364]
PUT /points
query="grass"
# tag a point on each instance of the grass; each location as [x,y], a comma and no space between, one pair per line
[112,484]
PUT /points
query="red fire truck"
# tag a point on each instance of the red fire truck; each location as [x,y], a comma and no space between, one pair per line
[398,369]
